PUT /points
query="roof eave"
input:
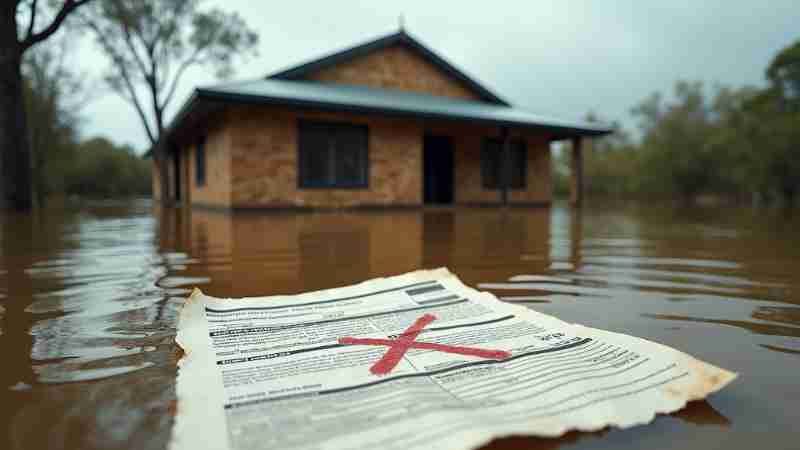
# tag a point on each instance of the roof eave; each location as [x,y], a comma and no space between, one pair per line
[565,131]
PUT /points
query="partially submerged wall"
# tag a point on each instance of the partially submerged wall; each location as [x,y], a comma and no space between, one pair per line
[469,185]
[264,159]
[252,162]
[217,188]
[468,143]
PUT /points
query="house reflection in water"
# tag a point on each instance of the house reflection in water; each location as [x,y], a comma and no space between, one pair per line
[248,254]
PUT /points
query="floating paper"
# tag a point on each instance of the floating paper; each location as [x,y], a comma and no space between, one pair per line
[283,371]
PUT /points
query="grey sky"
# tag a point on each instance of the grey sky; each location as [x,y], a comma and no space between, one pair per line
[562,58]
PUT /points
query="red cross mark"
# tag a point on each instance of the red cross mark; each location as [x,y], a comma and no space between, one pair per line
[398,347]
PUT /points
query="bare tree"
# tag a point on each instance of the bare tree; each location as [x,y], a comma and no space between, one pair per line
[20,30]
[152,43]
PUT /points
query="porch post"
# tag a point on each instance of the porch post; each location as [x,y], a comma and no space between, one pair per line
[505,166]
[576,176]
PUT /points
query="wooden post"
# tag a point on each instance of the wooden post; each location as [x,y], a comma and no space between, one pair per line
[505,165]
[576,176]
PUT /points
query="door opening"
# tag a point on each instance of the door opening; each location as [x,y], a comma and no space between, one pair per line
[438,165]
[177,170]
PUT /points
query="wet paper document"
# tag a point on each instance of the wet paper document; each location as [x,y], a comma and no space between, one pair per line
[413,361]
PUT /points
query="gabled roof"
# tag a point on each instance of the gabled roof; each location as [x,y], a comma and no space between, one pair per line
[401,37]
[287,88]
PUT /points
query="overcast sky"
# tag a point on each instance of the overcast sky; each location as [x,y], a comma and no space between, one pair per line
[558,57]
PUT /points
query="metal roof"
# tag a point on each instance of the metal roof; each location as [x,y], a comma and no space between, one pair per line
[401,37]
[288,88]
[369,100]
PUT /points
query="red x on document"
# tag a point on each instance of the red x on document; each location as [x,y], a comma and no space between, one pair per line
[407,340]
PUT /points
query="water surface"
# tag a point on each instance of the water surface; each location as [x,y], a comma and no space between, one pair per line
[89,296]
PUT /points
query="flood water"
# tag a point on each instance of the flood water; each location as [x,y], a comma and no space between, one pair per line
[88,303]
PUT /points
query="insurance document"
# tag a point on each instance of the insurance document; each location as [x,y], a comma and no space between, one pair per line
[414,361]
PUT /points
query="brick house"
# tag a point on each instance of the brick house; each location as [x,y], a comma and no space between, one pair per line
[384,123]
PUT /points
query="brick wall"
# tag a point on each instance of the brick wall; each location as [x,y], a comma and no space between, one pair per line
[217,189]
[468,141]
[251,162]
[395,67]
[469,183]
[264,151]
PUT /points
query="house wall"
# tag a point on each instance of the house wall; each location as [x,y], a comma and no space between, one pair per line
[156,179]
[252,160]
[469,184]
[264,150]
[395,67]
[217,189]
[468,141]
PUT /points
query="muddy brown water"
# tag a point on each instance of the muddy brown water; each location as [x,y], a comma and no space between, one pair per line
[88,302]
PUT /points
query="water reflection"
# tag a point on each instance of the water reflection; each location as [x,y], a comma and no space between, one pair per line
[89,299]
[754,327]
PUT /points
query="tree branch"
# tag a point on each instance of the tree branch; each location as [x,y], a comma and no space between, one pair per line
[157,109]
[132,48]
[185,65]
[32,22]
[131,98]
[194,59]
[68,7]
[138,107]
[123,73]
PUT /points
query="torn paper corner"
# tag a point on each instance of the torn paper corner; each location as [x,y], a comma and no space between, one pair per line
[709,379]
[196,293]
[271,372]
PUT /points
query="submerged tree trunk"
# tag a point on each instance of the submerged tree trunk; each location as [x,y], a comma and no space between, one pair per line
[162,166]
[15,157]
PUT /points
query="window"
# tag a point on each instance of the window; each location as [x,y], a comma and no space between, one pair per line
[492,163]
[332,155]
[200,163]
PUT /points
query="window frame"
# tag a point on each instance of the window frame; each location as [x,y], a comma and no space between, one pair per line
[303,182]
[488,158]
[200,163]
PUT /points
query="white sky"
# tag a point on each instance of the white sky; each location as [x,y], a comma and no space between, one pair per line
[559,57]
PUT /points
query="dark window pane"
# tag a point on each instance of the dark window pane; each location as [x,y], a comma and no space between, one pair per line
[314,155]
[519,164]
[332,155]
[350,156]
[492,164]
[200,163]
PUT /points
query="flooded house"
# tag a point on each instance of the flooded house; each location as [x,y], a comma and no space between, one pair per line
[386,123]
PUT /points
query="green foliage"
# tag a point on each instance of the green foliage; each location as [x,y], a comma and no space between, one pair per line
[739,143]
[52,100]
[62,164]
[610,162]
[675,144]
[784,73]
[102,169]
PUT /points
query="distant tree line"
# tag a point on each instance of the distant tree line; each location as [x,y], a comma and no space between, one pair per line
[734,143]
[149,45]
[63,163]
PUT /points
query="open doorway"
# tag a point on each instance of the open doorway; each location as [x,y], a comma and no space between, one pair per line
[176,169]
[438,162]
